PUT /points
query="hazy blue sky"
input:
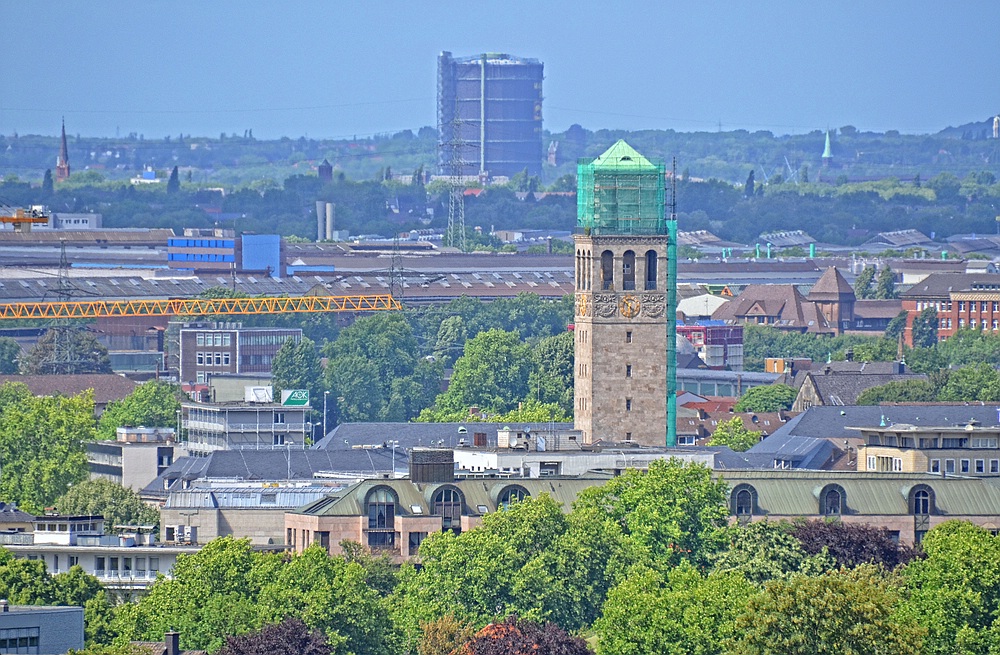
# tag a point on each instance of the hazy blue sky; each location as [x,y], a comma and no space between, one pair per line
[333,69]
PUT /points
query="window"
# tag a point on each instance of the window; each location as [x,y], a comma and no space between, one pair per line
[650,270]
[961,305]
[628,270]
[279,418]
[74,561]
[227,339]
[218,338]
[935,466]
[949,466]
[628,370]
[218,359]
[201,339]
[200,359]
[872,462]
[225,359]
[279,440]
[628,436]
[628,404]
[511,495]
[628,336]
[744,503]
[381,509]
[980,466]
[965,466]
[897,465]
[995,466]
[154,564]
[415,539]
[921,500]
[200,377]
[607,270]
[448,505]
[833,500]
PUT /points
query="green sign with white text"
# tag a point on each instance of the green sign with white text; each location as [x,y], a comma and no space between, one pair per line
[295,397]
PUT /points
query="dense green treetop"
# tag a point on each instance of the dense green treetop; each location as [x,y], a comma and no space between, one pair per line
[118,505]
[65,350]
[766,398]
[151,404]
[734,434]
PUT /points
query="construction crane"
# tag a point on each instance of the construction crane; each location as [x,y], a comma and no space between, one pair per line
[64,309]
[22,219]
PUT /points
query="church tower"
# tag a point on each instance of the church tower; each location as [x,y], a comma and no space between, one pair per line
[621,298]
[62,162]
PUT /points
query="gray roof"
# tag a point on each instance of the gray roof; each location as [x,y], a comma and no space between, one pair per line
[833,422]
[275,464]
[347,436]
[844,389]
[939,285]
[801,452]
[244,497]
[9,513]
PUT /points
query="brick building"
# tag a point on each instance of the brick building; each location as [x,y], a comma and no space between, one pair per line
[210,348]
[962,301]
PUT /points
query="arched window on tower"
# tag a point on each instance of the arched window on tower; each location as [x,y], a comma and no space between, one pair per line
[628,271]
[921,500]
[381,504]
[607,270]
[650,270]
[743,501]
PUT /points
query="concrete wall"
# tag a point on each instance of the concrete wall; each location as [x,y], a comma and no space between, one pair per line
[59,629]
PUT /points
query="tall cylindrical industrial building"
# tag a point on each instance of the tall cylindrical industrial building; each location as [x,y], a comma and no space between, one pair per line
[489,115]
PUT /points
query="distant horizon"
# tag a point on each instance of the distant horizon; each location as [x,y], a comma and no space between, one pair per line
[310,68]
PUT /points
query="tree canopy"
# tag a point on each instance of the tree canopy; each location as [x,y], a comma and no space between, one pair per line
[151,404]
[65,350]
[766,398]
[118,505]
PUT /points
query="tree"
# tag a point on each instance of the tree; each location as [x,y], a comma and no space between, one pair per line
[748,188]
[151,404]
[10,352]
[899,391]
[863,283]
[118,505]
[837,612]
[896,326]
[47,184]
[63,351]
[41,445]
[491,374]
[734,434]
[924,331]
[765,550]
[955,591]
[979,382]
[673,613]
[885,286]
[671,513]
[515,636]
[442,636]
[767,398]
[290,637]
[174,182]
[851,544]
[552,379]
[297,366]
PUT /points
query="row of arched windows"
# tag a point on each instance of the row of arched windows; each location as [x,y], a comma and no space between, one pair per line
[585,266]
[447,502]
[832,500]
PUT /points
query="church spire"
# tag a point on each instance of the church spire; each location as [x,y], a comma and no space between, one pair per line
[827,151]
[62,162]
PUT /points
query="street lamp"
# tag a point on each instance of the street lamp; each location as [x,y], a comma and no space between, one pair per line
[326,395]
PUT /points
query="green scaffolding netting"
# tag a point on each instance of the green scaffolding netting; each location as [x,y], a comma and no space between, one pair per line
[621,192]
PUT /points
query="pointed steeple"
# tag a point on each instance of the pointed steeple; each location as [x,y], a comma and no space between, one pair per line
[827,151]
[62,162]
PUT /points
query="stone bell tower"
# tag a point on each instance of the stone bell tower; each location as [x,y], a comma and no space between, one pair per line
[621,298]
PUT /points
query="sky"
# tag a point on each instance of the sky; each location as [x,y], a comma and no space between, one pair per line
[327,69]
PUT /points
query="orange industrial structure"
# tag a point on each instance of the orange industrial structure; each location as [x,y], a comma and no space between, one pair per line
[21,219]
[198,306]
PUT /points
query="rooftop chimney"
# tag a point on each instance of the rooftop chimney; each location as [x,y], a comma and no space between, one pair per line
[4,605]
[172,641]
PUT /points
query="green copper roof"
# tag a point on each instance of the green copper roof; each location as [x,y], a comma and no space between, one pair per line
[827,153]
[622,155]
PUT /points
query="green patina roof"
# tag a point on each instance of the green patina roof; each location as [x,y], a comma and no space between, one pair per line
[827,152]
[622,155]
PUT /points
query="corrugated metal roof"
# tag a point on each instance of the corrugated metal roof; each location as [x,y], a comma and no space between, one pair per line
[243,497]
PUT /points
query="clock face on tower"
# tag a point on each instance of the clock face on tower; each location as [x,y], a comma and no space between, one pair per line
[629,306]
